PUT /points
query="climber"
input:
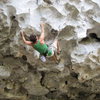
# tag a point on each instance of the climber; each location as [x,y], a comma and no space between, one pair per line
[39,44]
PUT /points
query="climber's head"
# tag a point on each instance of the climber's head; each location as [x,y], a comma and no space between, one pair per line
[33,38]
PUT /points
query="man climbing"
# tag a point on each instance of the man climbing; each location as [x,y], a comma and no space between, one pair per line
[39,44]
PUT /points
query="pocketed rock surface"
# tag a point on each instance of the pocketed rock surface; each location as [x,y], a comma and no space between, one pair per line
[77,74]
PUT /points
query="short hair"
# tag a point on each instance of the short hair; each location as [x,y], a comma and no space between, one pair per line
[33,38]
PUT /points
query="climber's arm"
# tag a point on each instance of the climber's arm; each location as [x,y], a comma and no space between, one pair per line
[25,41]
[41,38]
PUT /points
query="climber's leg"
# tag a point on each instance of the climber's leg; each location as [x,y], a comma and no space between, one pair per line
[55,43]
[57,46]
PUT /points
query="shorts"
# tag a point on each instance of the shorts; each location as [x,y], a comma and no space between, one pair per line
[53,49]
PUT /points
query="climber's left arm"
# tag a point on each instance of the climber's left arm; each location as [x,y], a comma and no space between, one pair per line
[42,32]
[25,41]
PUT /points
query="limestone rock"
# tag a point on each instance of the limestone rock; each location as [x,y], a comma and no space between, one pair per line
[34,87]
[77,74]
[4,72]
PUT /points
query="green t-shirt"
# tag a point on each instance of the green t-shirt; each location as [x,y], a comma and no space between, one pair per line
[42,48]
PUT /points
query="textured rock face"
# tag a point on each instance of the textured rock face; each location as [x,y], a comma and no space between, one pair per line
[77,75]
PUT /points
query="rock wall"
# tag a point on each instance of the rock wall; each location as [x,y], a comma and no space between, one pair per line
[77,75]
